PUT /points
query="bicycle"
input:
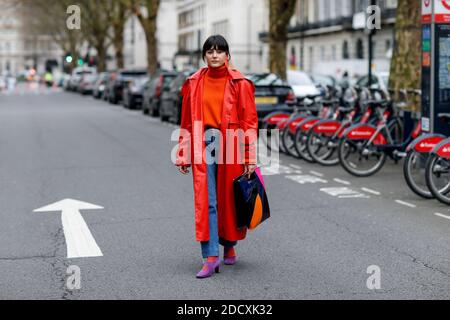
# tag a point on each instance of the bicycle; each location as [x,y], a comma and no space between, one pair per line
[364,147]
[298,134]
[280,119]
[323,138]
[414,166]
[437,172]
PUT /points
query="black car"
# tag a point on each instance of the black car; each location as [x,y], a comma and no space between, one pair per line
[116,85]
[152,95]
[100,84]
[271,94]
[171,99]
[133,93]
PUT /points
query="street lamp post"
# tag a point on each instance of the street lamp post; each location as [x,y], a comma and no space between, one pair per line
[370,47]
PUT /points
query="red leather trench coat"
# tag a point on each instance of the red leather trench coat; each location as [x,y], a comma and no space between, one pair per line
[239,112]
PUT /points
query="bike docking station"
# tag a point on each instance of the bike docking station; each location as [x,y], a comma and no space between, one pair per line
[436,66]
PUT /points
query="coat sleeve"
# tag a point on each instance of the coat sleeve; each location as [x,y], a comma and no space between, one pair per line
[184,140]
[248,119]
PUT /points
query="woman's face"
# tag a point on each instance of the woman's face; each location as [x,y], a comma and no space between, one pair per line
[215,58]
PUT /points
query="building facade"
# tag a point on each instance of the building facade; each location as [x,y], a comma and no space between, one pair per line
[21,50]
[325,37]
[135,45]
[239,21]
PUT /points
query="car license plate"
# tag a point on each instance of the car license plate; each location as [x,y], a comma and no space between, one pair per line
[266,100]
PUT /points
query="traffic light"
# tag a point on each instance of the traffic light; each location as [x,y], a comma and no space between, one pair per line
[69,58]
[80,61]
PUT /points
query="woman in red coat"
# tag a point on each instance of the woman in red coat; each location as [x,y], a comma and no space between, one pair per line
[218,138]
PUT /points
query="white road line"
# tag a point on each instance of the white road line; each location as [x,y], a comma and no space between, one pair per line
[356,195]
[406,203]
[295,166]
[302,179]
[344,192]
[341,181]
[316,173]
[371,191]
[442,215]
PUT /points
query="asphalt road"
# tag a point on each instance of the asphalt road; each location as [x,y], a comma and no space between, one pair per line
[318,244]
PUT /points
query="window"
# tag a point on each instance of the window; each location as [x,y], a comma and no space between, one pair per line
[391,4]
[359,5]
[359,49]
[388,45]
[345,52]
[326,10]
[221,28]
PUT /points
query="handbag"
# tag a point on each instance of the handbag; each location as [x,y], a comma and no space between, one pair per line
[250,199]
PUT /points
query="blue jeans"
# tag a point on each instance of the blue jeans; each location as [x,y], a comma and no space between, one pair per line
[211,248]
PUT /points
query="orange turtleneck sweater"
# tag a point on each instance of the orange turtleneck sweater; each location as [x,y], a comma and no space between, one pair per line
[213,94]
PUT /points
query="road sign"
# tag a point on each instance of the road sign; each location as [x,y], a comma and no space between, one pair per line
[426,11]
[442,11]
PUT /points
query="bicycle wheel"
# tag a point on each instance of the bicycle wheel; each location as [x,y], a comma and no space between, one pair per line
[322,148]
[360,159]
[437,176]
[300,146]
[267,138]
[288,143]
[414,171]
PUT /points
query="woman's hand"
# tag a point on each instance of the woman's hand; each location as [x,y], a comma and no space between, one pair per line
[184,169]
[249,169]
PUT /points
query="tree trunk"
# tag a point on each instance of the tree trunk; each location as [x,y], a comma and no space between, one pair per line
[280,14]
[119,17]
[406,61]
[118,45]
[149,25]
[101,58]
[152,48]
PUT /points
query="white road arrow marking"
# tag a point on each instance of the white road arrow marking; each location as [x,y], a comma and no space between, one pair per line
[79,240]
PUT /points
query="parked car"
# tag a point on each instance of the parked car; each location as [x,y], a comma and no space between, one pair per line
[271,93]
[324,80]
[108,84]
[133,94]
[87,82]
[76,76]
[2,84]
[118,83]
[380,80]
[302,84]
[64,81]
[152,95]
[171,99]
[99,85]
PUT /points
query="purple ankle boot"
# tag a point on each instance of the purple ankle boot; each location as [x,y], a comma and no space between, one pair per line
[230,260]
[209,271]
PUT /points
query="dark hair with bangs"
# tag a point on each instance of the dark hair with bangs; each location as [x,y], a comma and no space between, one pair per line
[216,42]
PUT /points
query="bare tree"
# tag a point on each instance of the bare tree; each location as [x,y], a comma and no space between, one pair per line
[97,17]
[48,18]
[280,14]
[406,61]
[119,15]
[147,12]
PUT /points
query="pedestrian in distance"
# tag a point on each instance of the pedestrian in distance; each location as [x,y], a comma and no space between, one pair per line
[217,99]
